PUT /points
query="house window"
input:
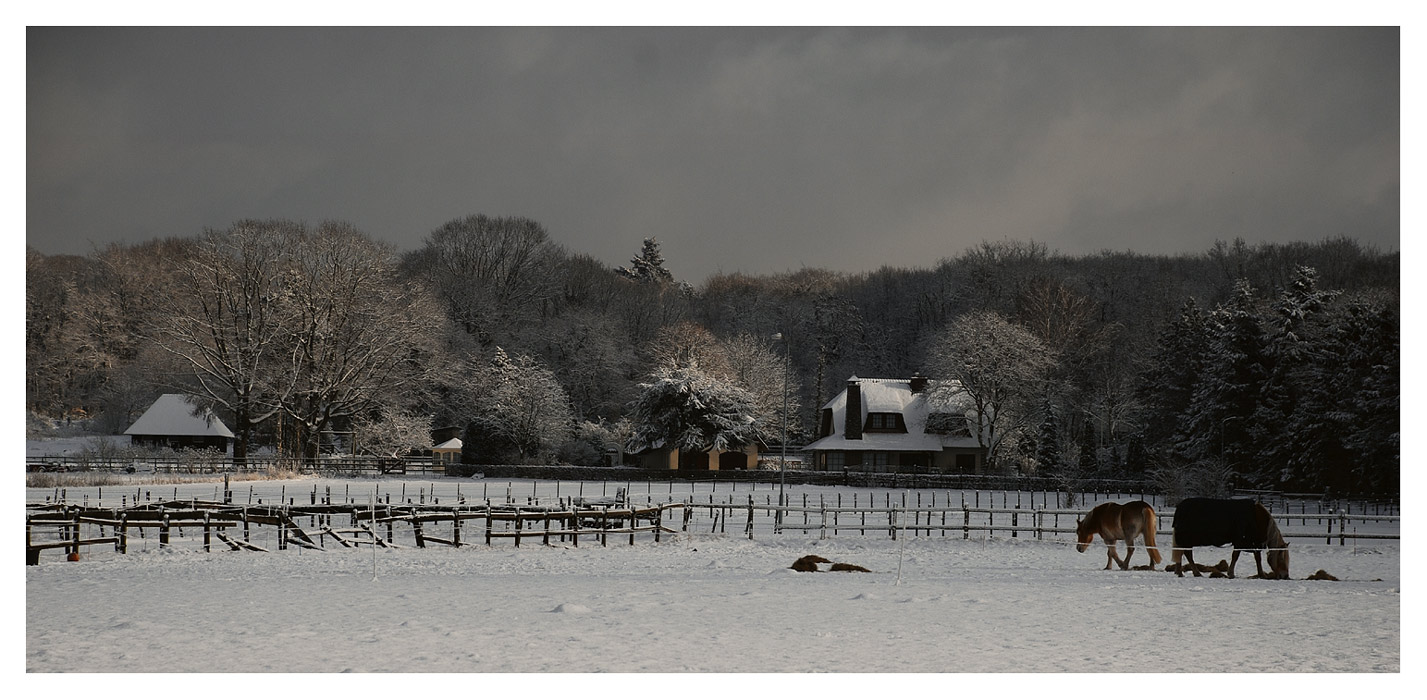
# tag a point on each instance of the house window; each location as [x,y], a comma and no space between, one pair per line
[833,460]
[885,422]
[880,461]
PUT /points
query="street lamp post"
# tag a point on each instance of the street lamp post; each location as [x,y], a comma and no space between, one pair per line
[783,463]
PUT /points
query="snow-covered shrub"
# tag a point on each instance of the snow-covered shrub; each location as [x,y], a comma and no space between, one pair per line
[688,410]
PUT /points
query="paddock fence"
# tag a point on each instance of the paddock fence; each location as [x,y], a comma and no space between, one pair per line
[419,518]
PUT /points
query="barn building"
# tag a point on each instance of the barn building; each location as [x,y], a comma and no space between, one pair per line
[175,422]
[745,457]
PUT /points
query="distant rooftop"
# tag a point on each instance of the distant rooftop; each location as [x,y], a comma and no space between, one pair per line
[173,414]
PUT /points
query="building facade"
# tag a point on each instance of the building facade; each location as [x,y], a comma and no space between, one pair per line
[912,425]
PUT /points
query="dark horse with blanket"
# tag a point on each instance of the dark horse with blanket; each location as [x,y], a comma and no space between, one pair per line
[1245,524]
[1113,521]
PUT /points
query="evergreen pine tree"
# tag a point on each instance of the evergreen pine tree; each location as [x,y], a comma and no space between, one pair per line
[648,266]
[1216,424]
[1089,449]
[1048,457]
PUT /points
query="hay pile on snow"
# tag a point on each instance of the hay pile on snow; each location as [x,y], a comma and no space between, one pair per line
[811,561]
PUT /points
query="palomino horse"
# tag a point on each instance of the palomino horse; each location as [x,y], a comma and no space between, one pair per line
[1202,522]
[1113,521]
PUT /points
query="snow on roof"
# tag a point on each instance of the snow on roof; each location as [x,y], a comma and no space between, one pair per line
[452,444]
[895,396]
[173,414]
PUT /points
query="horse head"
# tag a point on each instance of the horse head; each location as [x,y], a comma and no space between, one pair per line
[1084,535]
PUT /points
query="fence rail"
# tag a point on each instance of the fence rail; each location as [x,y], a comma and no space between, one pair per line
[424,517]
[360,466]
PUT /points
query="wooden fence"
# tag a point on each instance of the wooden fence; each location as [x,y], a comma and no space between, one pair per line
[64,527]
[58,525]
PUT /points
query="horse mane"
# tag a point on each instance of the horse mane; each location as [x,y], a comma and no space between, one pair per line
[1274,535]
[1278,547]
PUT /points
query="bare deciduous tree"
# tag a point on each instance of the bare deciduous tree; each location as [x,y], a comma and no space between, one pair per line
[356,335]
[226,319]
[1000,367]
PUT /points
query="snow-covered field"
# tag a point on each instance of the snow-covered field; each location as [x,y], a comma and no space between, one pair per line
[701,602]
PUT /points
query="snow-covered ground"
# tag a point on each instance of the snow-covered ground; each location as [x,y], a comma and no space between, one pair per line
[702,602]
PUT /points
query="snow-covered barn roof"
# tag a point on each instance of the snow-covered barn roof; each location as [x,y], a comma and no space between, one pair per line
[173,414]
[452,444]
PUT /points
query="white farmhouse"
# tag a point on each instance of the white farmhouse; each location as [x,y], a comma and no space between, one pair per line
[915,425]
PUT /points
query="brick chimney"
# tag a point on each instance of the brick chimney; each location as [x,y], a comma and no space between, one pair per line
[852,421]
[919,383]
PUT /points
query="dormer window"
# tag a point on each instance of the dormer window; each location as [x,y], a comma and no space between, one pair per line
[884,423]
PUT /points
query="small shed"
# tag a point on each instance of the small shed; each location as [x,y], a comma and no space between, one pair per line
[745,457]
[175,422]
[448,452]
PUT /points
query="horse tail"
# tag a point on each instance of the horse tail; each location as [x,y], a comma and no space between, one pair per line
[1278,549]
[1149,534]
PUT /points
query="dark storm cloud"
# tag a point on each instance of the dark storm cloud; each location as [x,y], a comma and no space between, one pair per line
[741,149]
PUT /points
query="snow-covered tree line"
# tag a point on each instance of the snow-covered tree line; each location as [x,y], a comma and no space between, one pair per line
[539,354]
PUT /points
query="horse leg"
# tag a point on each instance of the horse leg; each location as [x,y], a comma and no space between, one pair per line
[1129,552]
[1189,555]
[1258,562]
[1110,554]
[1234,561]
[1175,554]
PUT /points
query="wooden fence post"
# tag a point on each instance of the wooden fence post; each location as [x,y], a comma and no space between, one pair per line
[163,533]
[750,513]
[77,527]
[207,531]
[822,511]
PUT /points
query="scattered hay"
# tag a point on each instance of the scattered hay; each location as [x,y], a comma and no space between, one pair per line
[1321,575]
[1143,567]
[1220,570]
[809,563]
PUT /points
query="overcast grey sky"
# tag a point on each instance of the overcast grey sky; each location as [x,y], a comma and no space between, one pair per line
[756,150]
